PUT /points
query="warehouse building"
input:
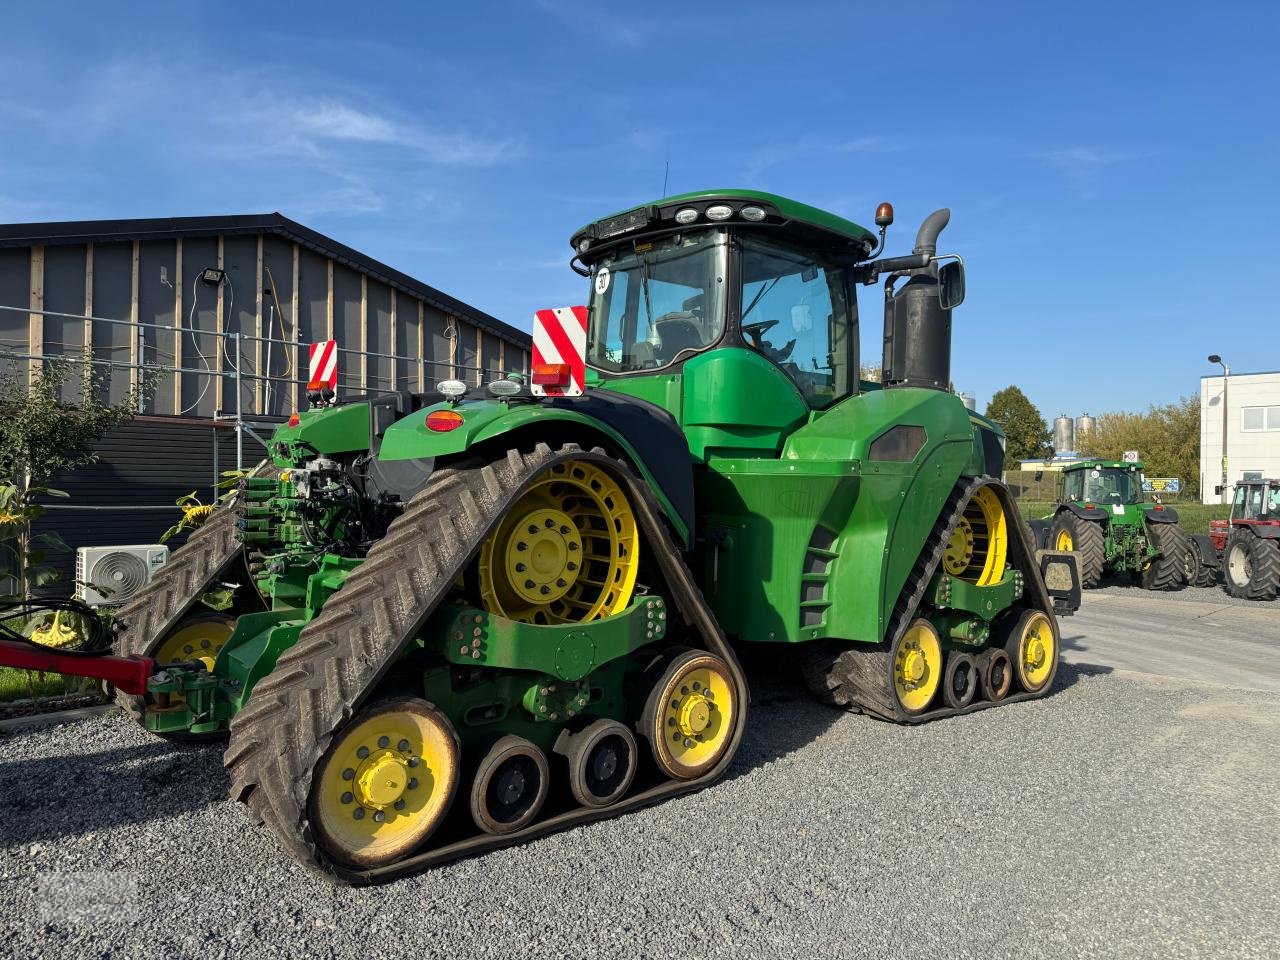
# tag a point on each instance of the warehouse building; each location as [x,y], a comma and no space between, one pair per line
[1252,405]
[218,313]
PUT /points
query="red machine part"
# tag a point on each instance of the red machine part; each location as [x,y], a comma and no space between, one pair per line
[129,674]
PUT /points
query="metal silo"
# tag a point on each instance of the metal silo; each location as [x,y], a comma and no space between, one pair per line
[1064,434]
[969,400]
[1084,424]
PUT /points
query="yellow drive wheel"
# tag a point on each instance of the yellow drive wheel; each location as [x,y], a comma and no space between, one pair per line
[566,552]
[385,782]
[198,637]
[1032,647]
[1064,541]
[690,714]
[917,666]
[980,541]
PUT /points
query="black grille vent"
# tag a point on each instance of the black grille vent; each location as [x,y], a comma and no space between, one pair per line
[813,581]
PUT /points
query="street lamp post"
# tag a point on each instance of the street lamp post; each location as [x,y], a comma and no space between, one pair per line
[1226,372]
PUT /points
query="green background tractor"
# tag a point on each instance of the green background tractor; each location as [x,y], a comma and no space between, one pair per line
[467,618]
[1103,516]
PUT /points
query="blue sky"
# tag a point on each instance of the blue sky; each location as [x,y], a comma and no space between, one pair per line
[1111,169]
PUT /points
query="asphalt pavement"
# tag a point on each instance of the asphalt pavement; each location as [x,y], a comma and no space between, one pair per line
[1132,813]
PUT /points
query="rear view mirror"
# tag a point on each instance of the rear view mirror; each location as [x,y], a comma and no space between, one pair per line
[951,284]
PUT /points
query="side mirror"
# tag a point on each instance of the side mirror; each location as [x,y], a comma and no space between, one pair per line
[951,284]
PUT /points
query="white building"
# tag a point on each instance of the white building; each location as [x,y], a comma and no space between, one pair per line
[1253,430]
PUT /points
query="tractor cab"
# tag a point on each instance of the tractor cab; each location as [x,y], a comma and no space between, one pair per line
[1256,501]
[1108,483]
[727,269]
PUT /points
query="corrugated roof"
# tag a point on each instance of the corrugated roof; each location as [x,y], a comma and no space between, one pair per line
[161,228]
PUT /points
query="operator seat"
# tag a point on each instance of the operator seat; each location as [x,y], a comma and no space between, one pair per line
[676,332]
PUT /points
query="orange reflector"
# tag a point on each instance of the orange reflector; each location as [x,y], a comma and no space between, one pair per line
[316,385]
[442,421]
[294,420]
[551,374]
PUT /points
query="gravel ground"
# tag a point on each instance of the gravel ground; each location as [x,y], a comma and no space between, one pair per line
[1124,586]
[1122,816]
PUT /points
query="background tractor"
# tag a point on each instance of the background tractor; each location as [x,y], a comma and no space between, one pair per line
[1103,516]
[465,619]
[1245,548]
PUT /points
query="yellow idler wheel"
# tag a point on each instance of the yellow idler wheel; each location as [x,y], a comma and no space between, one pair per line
[566,552]
[987,530]
[959,550]
[198,638]
[917,666]
[1032,646]
[689,715]
[1064,541]
[385,783]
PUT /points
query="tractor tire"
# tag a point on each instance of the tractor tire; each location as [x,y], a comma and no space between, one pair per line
[1251,566]
[1202,563]
[1168,569]
[1085,538]
[1038,533]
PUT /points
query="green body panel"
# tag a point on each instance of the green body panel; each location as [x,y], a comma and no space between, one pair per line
[475,638]
[341,429]
[488,419]
[791,209]
[818,542]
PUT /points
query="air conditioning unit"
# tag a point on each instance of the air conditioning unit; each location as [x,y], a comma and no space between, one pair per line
[109,576]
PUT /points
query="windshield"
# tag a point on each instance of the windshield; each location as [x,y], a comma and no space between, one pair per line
[658,303]
[1110,485]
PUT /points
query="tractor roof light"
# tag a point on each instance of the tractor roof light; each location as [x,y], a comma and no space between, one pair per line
[686,215]
[504,388]
[720,211]
[754,214]
[442,421]
[551,374]
[453,389]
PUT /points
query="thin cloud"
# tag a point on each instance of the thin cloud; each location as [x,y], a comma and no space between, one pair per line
[599,22]
[1084,166]
[776,154]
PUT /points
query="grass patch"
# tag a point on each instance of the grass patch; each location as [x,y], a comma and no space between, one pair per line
[1192,517]
[17,684]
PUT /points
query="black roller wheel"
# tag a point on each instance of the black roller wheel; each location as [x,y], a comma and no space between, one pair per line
[510,786]
[995,673]
[1070,532]
[959,679]
[602,763]
[1250,566]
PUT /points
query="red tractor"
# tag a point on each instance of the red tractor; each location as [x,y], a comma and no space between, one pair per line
[1245,547]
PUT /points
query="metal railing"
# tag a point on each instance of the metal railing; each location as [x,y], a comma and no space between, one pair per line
[239,373]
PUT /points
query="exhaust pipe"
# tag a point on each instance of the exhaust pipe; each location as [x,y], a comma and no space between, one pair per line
[917,330]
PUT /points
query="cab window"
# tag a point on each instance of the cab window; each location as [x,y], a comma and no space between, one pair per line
[796,312]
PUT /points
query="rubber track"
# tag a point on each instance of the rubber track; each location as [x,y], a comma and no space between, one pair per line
[857,676]
[318,684]
[1168,570]
[175,588]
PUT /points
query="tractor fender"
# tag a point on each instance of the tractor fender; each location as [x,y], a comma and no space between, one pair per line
[1040,533]
[1096,514]
[1164,515]
[1208,552]
[642,432]
[1268,531]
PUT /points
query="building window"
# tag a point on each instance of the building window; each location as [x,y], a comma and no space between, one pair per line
[1260,418]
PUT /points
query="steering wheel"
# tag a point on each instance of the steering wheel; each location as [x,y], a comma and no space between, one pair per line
[757,330]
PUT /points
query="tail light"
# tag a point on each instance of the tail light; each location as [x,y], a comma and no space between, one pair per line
[294,419]
[551,374]
[442,421]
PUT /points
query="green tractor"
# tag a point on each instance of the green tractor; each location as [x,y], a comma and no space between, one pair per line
[1104,517]
[468,618]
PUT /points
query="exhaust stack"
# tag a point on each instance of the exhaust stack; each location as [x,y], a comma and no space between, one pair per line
[917,330]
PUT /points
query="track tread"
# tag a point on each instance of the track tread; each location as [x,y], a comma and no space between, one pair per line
[282,733]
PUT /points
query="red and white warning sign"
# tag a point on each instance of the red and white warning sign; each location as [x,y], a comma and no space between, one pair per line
[324,366]
[559,351]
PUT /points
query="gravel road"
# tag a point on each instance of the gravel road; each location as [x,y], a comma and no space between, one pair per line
[1129,814]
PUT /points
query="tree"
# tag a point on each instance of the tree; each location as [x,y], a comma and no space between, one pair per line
[1026,434]
[41,434]
[1167,439]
